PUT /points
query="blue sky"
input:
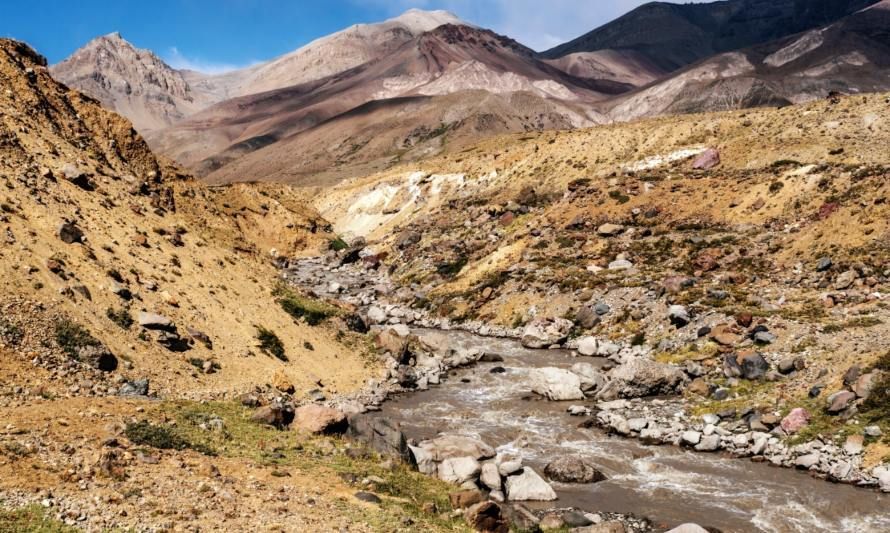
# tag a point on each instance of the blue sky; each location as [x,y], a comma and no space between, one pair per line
[216,35]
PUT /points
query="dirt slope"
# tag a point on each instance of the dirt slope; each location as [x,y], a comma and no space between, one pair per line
[143,237]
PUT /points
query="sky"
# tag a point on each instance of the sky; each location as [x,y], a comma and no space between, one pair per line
[220,35]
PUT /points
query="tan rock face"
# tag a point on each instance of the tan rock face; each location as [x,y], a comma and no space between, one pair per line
[319,420]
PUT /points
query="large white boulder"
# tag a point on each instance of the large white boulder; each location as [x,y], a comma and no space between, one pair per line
[459,470]
[451,446]
[545,332]
[556,384]
[529,486]
[592,379]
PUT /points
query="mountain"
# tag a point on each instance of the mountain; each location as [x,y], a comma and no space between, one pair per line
[670,36]
[139,85]
[850,56]
[109,230]
[447,60]
[133,82]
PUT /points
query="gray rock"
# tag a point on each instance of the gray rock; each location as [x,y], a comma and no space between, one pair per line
[490,477]
[587,346]
[453,446]
[592,379]
[808,461]
[458,470]
[709,443]
[610,230]
[873,431]
[573,469]
[678,315]
[543,333]
[642,377]
[840,401]
[154,321]
[529,486]
[845,280]
[691,437]
[688,528]
[824,264]
[556,384]
[69,233]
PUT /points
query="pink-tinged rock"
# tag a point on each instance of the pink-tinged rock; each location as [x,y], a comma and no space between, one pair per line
[320,420]
[708,160]
[796,420]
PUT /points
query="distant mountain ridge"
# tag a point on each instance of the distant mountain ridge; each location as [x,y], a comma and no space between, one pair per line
[672,36]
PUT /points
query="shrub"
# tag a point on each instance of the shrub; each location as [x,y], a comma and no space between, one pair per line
[120,317]
[270,343]
[338,244]
[71,337]
[10,332]
[145,433]
[313,311]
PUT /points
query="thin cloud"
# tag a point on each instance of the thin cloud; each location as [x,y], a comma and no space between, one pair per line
[180,61]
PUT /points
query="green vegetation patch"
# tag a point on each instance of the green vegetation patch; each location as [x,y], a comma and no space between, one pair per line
[121,317]
[313,311]
[71,337]
[270,343]
[145,433]
[31,519]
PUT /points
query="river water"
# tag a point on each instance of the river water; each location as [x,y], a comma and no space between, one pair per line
[666,484]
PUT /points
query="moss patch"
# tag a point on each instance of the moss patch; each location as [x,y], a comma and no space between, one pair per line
[31,519]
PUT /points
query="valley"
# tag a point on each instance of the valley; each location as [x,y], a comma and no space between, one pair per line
[416,276]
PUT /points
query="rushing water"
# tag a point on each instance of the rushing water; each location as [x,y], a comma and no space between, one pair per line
[666,484]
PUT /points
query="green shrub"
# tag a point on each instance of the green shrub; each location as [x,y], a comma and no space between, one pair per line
[144,433]
[270,343]
[338,244]
[299,307]
[120,317]
[71,337]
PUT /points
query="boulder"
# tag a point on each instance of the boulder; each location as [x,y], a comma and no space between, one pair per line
[69,233]
[709,159]
[376,315]
[458,470]
[865,384]
[137,387]
[276,414]
[854,444]
[796,420]
[490,477]
[529,486]
[587,317]
[573,469]
[845,280]
[641,377]
[154,321]
[543,333]
[390,340]
[98,357]
[556,384]
[381,435]
[747,365]
[678,315]
[587,346]
[424,461]
[840,401]
[487,517]
[453,446]
[320,420]
[610,230]
[592,379]
[688,528]
[465,498]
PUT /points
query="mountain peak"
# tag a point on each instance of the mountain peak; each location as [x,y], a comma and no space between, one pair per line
[419,20]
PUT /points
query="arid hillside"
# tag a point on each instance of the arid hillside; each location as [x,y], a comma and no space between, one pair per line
[100,232]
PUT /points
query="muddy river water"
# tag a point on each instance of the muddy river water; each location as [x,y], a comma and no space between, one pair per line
[668,485]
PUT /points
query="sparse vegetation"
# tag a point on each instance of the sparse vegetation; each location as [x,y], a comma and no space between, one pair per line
[10,332]
[270,343]
[144,433]
[314,312]
[338,244]
[121,317]
[71,337]
[30,519]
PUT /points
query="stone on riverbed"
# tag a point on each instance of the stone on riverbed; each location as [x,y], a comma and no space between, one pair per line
[642,377]
[573,469]
[543,333]
[459,470]
[452,446]
[688,528]
[529,486]
[556,384]
[592,379]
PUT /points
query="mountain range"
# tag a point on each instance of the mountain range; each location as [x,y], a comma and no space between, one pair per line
[426,82]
